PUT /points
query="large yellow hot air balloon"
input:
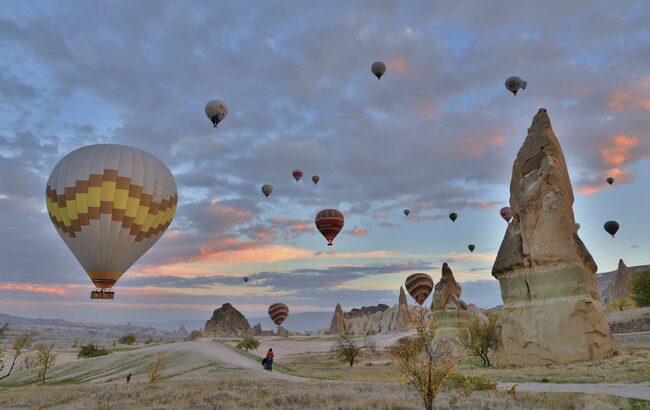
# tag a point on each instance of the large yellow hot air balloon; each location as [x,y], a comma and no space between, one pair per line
[110,204]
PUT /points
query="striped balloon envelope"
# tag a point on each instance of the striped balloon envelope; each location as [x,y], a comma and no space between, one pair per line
[278,312]
[329,223]
[419,286]
[110,204]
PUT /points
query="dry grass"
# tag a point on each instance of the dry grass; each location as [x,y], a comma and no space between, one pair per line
[226,391]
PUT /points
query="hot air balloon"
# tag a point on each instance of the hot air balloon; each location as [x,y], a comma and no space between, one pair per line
[245,279]
[514,83]
[419,286]
[297,174]
[278,312]
[329,223]
[378,68]
[471,247]
[110,204]
[216,110]
[407,212]
[577,227]
[315,179]
[453,216]
[610,180]
[506,213]
[267,189]
[611,227]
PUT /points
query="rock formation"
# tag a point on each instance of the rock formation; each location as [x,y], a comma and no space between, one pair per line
[622,285]
[370,319]
[227,321]
[552,312]
[403,322]
[182,330]
[338,321]
[257,330]
[446,293]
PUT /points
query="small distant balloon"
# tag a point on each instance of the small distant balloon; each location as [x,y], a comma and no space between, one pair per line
[216,110]
[471,247]
[453,216]
[297,174]
[267,189]
[611,227]
[506,213]
[514,84]
[407,212]
[315,179]
[245,279]
[378,68]
[577,227]
[610,180]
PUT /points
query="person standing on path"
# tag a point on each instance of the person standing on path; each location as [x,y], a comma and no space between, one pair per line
[269,360]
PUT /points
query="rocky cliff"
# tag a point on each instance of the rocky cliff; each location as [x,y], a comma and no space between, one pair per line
[552,311]
[227,321]
[622,284]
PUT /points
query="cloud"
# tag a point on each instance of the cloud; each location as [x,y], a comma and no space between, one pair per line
[356,231]
[34,288]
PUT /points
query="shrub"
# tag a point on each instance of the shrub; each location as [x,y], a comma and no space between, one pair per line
[248,343]
[422,364]
[21,343]
[622,303]
[347,350]
[641,288]
[479,335]
[371,332]
[156,369]
[45,358]
[91,350]
[195,335]
[129,339]
[149,340]
[468,384]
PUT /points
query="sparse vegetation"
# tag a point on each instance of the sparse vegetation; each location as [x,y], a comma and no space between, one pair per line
[92,350]
[19,346]
[622,303]
[248,343]
[424,365]
[150,341]
[479,335]
[469,384]
[156,369]
[347,349]
[128,339]
[641,288]
[371,332]
[45,358]
[195,334]
[29,362]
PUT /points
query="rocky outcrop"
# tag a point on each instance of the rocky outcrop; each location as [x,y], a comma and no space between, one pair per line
[227,321]
[446,294]
[182,330]
[365,311]
[403,322]
[338,321]
[552,312]
[257,330]
[622,284]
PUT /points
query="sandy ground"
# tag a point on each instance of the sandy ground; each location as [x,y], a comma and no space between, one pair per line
[627,314]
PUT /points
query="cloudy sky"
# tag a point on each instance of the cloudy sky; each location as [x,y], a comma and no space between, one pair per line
[437,134]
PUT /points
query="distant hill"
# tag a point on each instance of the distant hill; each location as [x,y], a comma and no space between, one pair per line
[173,325]
[25,321]
[298,322]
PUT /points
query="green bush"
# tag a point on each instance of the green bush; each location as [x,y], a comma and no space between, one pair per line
[479,336]
[371,332]
[641,288]
[469,384]
[149,340]
[248,343]
[128,339]
[92,350]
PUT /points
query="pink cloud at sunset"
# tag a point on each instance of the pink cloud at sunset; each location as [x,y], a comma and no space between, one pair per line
[399,65]
[614,156]
[358,232]
[626,100]
[34,288]
[475,147]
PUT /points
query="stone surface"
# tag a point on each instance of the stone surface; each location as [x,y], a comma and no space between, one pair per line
[257,330]
[622,285]
[446,293]
[365,311]
[552,311]
[227,321]
[338,321]
[403,321]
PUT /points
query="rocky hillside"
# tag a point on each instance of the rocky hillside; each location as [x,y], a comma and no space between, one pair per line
[607,280]
[227,321]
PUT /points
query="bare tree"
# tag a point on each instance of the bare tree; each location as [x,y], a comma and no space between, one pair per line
[156,369]
[347,349]
[21,343]
[45,358]
[424,365]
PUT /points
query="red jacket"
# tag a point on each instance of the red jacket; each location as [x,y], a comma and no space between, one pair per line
[269,355]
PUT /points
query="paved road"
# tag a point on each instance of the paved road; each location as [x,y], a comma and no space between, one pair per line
[633,391]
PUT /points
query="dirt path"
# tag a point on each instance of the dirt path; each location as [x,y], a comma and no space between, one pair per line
[633,391]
